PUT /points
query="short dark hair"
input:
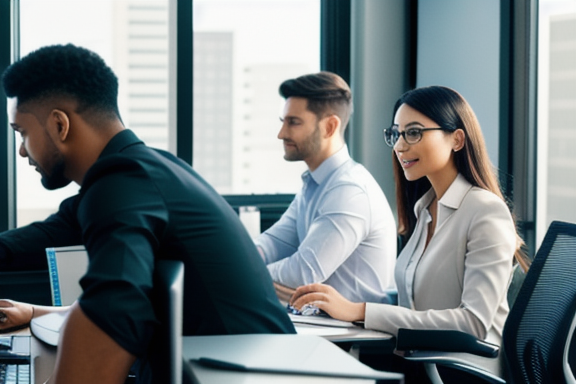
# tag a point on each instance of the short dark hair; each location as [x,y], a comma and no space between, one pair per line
[326,92]
[64,71]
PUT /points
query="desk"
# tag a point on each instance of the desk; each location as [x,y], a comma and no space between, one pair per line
[266,358]
[357,340]
[42,357]
[336,330]
[207,375]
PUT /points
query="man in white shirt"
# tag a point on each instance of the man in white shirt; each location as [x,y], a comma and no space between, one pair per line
[339,229]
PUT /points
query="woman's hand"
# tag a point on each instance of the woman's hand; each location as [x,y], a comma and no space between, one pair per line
[14,314]
[329,300]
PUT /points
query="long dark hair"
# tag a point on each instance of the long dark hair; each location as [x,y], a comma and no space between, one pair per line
[451,111]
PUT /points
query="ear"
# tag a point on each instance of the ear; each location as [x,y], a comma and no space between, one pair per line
[459,140]
[332,125]
[61,123]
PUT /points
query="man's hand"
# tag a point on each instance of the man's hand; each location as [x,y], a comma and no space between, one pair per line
[14,314]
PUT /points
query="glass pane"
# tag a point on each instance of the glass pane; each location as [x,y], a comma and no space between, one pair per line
[132,37]
[243,50]
[556,111]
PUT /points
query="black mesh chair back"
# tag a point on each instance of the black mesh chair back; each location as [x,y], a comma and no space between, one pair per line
[165,354]
[537,328]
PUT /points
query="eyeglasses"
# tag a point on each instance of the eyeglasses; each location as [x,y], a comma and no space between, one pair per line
[410,135]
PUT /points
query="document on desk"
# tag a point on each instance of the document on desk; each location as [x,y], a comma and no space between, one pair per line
[272,353]
[320,320]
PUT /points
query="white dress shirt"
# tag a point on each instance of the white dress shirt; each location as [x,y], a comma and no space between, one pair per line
[460,280]
[339,230]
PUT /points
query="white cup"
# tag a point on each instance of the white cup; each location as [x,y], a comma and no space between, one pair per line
[250,217]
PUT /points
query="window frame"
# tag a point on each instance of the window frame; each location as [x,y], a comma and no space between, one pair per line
[518,116]
[518,112]
[8,40]
[334,22]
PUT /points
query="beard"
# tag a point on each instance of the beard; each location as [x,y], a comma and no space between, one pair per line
[306,147]
[56,179]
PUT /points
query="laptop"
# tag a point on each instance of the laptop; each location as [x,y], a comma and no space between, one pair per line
[165,354]
[66,265]
[15,364]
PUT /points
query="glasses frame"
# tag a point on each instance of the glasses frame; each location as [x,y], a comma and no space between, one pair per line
[403,134]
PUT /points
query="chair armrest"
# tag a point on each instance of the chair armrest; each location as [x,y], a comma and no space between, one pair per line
[444,341]
[452,349]
[488,369]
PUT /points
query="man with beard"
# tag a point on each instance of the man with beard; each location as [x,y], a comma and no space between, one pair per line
[136,205]
[339,228]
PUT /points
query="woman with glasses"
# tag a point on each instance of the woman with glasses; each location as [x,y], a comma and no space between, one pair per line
[455,268]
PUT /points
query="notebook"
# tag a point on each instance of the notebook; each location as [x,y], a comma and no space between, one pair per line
[66,265]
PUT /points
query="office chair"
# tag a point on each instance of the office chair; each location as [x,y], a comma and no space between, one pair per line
[538,333]
[165,352]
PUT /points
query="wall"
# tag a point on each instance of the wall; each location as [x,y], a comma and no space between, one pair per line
[379,74]
[459,47]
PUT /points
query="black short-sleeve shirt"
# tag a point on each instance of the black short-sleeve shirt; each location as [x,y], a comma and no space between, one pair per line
[138,204]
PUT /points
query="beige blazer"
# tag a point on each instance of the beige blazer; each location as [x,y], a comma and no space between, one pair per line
[461,279]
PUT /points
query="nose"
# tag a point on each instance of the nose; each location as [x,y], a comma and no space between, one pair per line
[22,151]
[401,144]
[282,132]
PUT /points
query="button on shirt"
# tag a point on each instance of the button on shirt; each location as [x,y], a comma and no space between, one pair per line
[339,230]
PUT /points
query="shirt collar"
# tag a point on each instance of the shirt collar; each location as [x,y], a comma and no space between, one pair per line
[452,197]
[120,141]
[328,166]
[456,192]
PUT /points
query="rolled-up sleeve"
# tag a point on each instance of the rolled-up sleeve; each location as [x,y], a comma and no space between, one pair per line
[281,239]
[119,234]
[340,224]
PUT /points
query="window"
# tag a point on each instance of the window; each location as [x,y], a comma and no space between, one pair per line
[132,37]
[556,157]
[243,50]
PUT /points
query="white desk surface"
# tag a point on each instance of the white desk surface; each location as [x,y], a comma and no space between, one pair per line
[44,357]
[208,375]
[265,358]
[335,330]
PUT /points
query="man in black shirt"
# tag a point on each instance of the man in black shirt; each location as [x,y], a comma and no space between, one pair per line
[136,205]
